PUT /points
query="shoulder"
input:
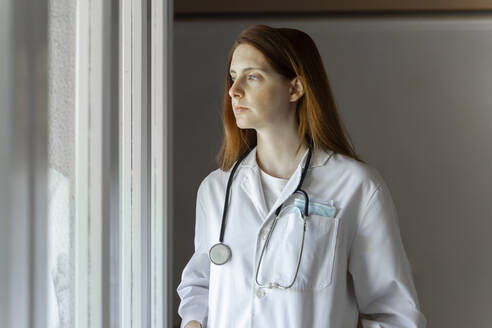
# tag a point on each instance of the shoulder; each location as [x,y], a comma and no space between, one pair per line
[359,170]
[354,173]
[214,181]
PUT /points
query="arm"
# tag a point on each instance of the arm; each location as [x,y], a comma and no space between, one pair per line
[380,269]
[193,289]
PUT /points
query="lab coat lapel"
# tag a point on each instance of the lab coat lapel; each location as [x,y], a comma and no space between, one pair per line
[251,183]
[252,186]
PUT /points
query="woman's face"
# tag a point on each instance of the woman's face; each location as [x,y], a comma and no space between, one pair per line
[264,92]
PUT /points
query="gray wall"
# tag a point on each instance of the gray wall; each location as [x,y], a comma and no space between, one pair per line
[415,96]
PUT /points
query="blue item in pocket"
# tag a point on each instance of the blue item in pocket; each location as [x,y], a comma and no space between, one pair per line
[328,211]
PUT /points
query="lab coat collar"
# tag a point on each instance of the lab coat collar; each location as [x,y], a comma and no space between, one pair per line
[252,180]
[318,158]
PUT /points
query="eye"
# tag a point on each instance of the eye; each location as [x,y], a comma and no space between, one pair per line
[254,77]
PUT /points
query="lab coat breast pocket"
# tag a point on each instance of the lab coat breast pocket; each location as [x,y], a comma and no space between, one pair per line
[320,247]
[282,252]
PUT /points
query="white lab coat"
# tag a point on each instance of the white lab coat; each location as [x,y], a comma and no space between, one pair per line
[352,262]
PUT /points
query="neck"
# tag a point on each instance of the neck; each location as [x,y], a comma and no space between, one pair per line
[277,156]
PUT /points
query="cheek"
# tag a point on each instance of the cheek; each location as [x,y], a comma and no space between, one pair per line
[271,99]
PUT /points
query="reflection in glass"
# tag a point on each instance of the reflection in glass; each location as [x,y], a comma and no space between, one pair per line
[61,145]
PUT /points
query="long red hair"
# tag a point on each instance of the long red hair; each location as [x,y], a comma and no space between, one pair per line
[291,53]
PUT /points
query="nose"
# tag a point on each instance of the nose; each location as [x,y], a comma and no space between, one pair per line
[235,90]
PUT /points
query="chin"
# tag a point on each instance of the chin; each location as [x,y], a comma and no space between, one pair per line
[243,125]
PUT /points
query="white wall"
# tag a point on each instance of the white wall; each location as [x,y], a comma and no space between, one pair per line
[415,96]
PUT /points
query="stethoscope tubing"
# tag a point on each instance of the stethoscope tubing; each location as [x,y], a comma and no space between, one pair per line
[229,182]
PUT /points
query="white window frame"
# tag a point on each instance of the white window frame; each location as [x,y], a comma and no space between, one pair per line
[145,163]
[162,13]
[94,182]
[133,161]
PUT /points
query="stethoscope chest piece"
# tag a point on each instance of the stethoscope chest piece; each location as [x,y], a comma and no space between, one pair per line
[219,253]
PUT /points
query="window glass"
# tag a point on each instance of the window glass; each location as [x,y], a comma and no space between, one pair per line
[61,155]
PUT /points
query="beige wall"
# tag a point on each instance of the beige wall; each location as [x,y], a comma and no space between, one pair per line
[415,96]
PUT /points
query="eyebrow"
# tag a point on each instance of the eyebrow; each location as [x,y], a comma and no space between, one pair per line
[250,68]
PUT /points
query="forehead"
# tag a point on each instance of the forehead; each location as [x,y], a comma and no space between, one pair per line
[246,55]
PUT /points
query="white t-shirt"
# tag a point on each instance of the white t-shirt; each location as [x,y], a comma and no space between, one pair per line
[272,187]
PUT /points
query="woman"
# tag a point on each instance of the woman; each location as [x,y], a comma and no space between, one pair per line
[310,235]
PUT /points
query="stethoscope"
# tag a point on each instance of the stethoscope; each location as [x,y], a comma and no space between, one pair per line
[220,253]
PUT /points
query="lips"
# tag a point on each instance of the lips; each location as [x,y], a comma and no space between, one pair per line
[239,109]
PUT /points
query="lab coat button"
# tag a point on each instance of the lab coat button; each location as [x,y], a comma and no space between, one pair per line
[260,293]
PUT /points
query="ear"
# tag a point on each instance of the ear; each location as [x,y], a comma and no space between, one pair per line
[296,90]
